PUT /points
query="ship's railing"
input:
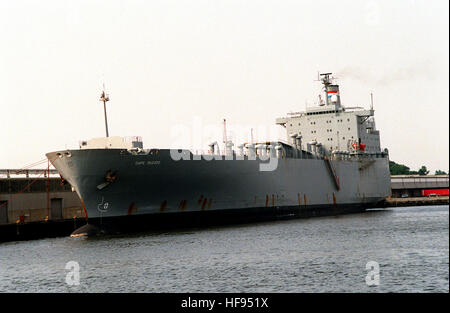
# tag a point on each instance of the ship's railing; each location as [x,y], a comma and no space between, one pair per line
[353,109]
[288,151]
[296,114]
[345,155]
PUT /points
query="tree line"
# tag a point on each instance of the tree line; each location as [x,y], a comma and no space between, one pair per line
[400,169]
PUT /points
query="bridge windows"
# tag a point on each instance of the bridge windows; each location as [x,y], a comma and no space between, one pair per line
[324,112]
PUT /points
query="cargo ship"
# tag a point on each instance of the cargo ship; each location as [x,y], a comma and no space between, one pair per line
[331,163]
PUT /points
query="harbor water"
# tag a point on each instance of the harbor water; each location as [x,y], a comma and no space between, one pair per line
[394,250]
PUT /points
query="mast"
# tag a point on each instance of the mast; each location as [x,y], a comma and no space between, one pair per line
[331,91]
[326,82]
[225,141]
[371,101]
[105,98]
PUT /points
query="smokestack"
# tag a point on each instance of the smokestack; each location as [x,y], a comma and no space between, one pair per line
[333,96]
[331,91]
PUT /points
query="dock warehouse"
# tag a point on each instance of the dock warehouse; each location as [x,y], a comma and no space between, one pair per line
[36,195]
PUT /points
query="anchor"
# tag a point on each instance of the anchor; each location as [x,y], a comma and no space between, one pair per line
[109,178]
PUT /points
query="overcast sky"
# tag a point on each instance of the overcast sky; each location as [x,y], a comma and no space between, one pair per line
[171,65]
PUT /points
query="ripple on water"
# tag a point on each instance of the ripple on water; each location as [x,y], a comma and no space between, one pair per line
[308,255]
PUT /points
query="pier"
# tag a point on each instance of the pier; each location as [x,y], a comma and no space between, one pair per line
[416,201]
[37,203]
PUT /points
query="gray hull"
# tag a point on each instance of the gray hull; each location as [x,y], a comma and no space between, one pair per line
[155,184]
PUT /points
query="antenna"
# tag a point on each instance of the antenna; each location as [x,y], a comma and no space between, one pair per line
[371,101]
[251,135]
[225,134]
[326,79]
[320,98]
[224,130]
[105,98]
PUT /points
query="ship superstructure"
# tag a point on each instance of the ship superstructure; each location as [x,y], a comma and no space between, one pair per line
[331,128]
